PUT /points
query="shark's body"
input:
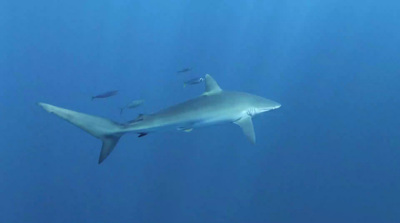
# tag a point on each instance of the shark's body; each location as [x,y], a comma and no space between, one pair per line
[213,107]
[202,111]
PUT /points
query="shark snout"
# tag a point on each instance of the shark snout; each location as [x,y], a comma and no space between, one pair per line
[267,105]
[276,106]
[272,105]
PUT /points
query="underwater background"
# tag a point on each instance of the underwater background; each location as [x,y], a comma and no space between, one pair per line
[331,153]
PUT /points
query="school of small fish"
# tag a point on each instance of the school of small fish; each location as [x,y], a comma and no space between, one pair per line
[138,102]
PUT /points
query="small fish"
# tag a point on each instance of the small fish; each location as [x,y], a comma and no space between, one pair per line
[184,70]
[105,95]
[193,81]
[132,104]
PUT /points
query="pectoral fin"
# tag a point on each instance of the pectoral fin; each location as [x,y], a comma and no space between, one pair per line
[247,126]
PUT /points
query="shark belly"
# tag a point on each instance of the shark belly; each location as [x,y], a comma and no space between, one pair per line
[160,124]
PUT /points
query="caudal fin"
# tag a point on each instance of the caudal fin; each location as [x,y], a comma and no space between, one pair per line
[108,146]
[106,130]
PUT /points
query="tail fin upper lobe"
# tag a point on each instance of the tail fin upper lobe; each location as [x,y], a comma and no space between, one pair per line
[108,131]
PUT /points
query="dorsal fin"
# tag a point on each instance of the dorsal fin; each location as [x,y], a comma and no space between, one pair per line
[139,118]
[211,86]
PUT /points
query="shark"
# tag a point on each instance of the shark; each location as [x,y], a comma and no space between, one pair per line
[214,106]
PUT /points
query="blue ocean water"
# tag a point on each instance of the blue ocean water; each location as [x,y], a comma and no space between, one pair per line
[329,154]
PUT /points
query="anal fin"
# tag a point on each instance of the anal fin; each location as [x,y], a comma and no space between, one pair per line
[142,134]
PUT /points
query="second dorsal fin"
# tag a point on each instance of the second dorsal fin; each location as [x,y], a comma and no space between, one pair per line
[212,86]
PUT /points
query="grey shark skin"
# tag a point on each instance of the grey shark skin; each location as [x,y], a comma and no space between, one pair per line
[214,106]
